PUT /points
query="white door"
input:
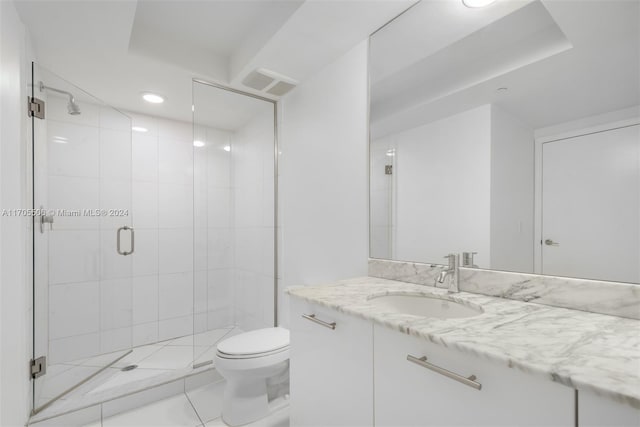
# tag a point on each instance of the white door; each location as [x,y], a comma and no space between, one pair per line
[591,206]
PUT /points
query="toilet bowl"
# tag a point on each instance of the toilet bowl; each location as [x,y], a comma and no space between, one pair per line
[248,362]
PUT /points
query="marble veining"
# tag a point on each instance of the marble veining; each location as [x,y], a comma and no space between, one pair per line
[612,298]
[585,351]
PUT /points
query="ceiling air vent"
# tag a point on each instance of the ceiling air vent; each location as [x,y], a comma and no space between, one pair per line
[270,82]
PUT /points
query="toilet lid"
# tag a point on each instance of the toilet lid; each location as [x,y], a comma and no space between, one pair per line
[255,342]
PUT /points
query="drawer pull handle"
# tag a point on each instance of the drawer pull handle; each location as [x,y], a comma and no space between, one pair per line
[313,318]
[422,361]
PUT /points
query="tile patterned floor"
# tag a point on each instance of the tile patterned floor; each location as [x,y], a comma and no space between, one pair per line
[200,407]
[156,362]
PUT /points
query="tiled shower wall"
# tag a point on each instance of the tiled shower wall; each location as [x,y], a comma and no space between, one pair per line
[162,172]
[83,291]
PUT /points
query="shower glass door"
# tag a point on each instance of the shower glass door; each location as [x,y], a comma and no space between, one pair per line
[83,242]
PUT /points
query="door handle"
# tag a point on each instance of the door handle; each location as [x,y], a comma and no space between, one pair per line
[314,319]
[550,242]
[133,240]
[422,361]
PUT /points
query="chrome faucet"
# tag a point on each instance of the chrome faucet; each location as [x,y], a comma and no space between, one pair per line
[451,272]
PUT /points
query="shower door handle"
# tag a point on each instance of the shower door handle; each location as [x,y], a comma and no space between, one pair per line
[133,240]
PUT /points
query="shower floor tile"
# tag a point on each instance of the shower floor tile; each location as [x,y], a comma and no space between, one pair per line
[157,364]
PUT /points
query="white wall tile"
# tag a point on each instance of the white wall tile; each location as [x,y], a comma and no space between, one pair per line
[200,323]
[115,154]
[73,348]
[145,204]
[74,309]
[200,291]
[120,339]
[200,257]
[150,123]
[219,207]
[73,193]
[73,256]
[176,327]
[144,157]
[110,118]
[79,155]
[176,250]
[220,248]
[175,205]
[145,333]
[145,299]
[175,161]
[175,295]
[116,303]
[145,256]
[115,195]
[176,130]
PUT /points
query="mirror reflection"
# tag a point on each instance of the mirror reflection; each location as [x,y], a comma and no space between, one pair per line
[511,131]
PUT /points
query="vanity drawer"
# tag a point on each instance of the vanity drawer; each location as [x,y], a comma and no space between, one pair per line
[437,391]
[331,367]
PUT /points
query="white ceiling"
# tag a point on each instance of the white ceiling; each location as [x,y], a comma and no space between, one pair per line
[560,60]
[117,49]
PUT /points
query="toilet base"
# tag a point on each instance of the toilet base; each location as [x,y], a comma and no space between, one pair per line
[246,394]
[245,403]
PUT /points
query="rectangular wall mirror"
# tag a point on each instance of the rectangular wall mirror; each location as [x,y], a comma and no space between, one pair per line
[511,131]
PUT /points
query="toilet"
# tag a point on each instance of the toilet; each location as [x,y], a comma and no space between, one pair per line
[250,362]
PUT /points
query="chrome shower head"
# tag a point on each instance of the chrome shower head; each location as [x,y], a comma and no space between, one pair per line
[72,107]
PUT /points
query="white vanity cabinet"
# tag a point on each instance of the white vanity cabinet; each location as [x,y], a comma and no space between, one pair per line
[331,367]
[596,411]
[410,394]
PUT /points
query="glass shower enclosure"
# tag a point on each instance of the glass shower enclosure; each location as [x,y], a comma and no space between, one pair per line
[235,182]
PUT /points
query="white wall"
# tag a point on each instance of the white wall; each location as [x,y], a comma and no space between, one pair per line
[512,194]
[15,282]
[443,188]
[323,177]
[462,183]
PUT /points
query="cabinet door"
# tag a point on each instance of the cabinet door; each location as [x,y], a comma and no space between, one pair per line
[331,370]
[408,394]
[596,411]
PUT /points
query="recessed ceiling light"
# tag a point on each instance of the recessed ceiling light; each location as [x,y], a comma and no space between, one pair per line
[227,148]
[139,129]
[391,152]
[502,90]
[198,143]
[152,98]
[477,3]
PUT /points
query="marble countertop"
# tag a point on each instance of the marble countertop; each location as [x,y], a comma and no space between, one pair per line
[582,350]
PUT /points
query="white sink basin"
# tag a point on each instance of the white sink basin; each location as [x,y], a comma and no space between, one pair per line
[423,305]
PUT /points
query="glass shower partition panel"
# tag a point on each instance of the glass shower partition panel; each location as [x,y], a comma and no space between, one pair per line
[82,234]
[234,215]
